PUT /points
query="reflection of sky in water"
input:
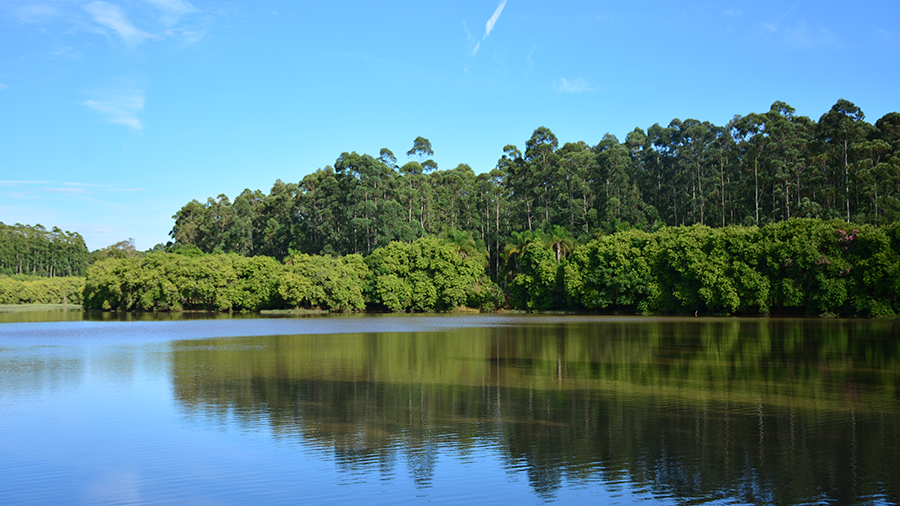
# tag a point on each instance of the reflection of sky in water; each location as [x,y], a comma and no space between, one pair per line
[96,412]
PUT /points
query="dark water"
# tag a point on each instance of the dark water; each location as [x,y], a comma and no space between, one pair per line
[450,409]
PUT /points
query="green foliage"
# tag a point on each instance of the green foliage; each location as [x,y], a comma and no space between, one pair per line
[612,270]
[711,270]
[324,282]
[426,275]
[23,289]
[121,249]
[34,250]
[538,285]
[812,266]
[172,282]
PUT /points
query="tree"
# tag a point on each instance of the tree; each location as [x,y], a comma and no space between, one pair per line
[541,163]
[422,148]
[838,129]
[560,240]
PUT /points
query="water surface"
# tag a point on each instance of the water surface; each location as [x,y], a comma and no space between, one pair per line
[449,409]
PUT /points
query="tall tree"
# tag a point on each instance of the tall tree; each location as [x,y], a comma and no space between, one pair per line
[838,129]
[542,165]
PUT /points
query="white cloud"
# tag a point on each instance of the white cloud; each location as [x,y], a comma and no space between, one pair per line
[489,26]
[3,86]
[491,22]
[111,16]
[733,12]
[574,86]
[121,106]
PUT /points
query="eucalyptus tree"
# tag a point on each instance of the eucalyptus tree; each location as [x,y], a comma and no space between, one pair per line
[243,232]
[789,138]
[657,164]
[186,230]
[748,133]
[32,249]
[491,205]
[879,173]
[615,187]
[422,149]
[542,162]
[366,180]
[518,185]
[838,129]
[277,219]
[578,167]
[453,194]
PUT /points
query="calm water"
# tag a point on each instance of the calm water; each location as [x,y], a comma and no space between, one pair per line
[448,409]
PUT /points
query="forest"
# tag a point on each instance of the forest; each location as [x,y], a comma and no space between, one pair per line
[770,212]
[801,266]
[757,169]
[33,250]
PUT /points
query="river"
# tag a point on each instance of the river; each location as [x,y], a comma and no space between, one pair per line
[476,409]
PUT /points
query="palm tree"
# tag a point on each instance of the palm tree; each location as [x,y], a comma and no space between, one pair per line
[561,241]
[462,242]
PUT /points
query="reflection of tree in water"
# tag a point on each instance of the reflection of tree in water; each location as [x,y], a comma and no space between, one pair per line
[765,412]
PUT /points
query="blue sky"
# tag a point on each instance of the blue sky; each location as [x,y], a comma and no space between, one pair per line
[115,113]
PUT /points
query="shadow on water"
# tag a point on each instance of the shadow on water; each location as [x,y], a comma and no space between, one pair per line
[73,315]
[757,411]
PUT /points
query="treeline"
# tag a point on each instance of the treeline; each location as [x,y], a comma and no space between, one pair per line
[429,274]
[755,170]
[25,289]
[34,250]
[801,266]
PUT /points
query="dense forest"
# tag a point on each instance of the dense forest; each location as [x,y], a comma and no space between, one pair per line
[801,266]
[770,212]
[757,169]
[34,250]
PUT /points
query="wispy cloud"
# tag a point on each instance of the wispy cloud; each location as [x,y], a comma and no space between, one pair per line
[578,85]
[17,183]
[68,191]
[90,185]
[172,10]
[3,86]
[111,16]
[489,26]
[772,26]
[120,106]
[130,22]
[66,52]
[803,36]
[20,195]
[733,12]
[530,61]
[494,17]
[800,34]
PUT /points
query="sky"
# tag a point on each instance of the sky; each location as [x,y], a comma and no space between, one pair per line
[116,113]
